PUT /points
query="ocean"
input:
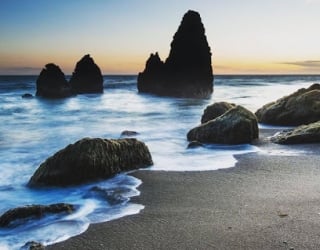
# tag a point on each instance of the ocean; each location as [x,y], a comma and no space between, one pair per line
[32,129]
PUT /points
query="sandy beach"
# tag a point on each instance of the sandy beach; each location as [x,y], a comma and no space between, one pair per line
[267,201]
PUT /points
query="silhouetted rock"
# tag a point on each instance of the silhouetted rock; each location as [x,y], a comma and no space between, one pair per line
[91,159]
[32,211]
[214,110]
[87,77]
[27,96]
[187,72]
[301,107]
[51,83]
[238,125]
[303,134]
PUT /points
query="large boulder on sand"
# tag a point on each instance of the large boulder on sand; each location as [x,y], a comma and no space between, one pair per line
[91,159]
[87,77]
[303,134]
[187,72]
[51,83]
[32,211]
[238,125]
[214,110]
[301,107]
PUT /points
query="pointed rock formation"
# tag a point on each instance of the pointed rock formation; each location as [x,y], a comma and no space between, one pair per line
[187,72]
[51,83]
[87,77]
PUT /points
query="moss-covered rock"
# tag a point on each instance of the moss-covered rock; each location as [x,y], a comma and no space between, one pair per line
[303,134]
[301,107]
[91,159]
[236,126]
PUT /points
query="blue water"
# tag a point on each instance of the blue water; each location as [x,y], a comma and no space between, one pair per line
[33,129]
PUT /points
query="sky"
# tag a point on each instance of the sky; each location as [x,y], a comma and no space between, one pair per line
[246,37]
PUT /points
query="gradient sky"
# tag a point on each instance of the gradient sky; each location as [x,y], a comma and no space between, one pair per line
[246,37]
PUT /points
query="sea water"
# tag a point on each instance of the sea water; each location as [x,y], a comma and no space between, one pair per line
[32,129]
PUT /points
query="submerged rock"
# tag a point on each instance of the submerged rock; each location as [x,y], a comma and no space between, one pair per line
[187,72]
[33,245]
[128,133]
[238,125]
[194,144]
[91,159]
[51,83]
[87,77]
[27,96]
[214,110]
[301,107]
[33,211]
[303,134]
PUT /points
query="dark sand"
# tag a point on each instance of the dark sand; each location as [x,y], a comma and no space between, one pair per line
[265,202]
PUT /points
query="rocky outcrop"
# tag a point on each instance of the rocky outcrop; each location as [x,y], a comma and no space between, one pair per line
[187,72]
[214,110]
[303,134]
[51,83]
[301,107]
[87,77]
[238,125]
[91,159]
[32,211]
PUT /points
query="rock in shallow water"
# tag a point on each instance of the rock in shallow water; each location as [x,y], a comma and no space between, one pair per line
[237,126]
[51,83]
[303,134]
[187,72]
[35,211]
[91,159]
[87,77]
[301,107]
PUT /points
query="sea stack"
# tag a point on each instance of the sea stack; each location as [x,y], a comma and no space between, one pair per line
[51,83]
[187,72]
[87,77]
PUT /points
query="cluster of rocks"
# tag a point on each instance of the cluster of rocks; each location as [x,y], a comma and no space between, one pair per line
[86,78]
[187,72]
[225,123]
[302,109]
[228,123]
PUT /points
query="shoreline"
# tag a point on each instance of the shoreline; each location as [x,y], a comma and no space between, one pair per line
[265,202]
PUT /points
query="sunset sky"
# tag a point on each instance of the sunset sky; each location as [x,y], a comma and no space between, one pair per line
[246,37]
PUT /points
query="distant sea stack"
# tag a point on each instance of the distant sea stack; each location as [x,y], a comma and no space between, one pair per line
[51,83]
[87,77]
[187,72]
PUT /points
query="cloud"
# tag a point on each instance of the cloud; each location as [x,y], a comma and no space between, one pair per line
[305,64]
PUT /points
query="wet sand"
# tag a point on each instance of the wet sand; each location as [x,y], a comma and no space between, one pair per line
[267,201]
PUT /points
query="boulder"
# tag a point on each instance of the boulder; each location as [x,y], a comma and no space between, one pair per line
[51,83]
[303,134]
[214,110]
[87,77]
[301,107]
[33,211]
[91,159]
[238,125]
[187,72]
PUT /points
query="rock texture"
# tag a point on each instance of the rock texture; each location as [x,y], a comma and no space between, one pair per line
[238,125]
[187,72]
[51,83]
[37,211]
[303,134]
[91,159]
[87,77]
[301,107]
[214,110]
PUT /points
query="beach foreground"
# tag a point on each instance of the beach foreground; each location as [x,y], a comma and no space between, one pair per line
[268,201]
